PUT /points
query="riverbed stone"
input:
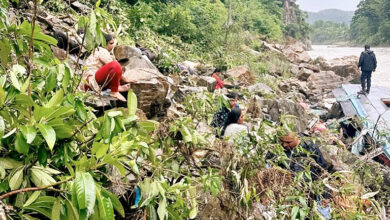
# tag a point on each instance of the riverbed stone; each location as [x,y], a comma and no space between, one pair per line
[242,74]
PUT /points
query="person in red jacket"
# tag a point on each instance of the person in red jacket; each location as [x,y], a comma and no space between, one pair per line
[104,72]
[220,83]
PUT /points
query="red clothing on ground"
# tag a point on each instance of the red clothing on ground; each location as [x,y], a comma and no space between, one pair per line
[220,83]
[109,76]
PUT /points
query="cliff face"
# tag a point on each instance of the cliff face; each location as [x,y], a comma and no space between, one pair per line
[290,15]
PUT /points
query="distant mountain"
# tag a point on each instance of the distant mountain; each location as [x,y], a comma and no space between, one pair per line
[334,15]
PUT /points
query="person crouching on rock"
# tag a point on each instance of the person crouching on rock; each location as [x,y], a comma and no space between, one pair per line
[234,126]
[103,72]
[220,118]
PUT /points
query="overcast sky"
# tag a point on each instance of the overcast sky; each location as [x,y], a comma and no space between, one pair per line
[318,5]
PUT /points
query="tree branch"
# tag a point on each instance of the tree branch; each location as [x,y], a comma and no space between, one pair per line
[30,189]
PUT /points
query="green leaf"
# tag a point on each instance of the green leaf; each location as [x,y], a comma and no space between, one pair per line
[21,145]
[14,80]
[24,100]
[51,81]
[71,211]
[151,212]
[131,102]
[56,99]
[80,110]
[42,155]
[369,195]
[294,212]
[100,149]
[106,210]
[85,190]
[49,134]
[16,179]
[2,96]
[148,125]
[134,166]
[41,178]
[98,3]
[32,198]
[2,127]
[64,131]
[106,128]
[8,163]
[45,38]
[58,112]
[25,85]
[193,213]
[5,51]
[162,209]
[115,202]
[56,211]
[66,78]
[29,133]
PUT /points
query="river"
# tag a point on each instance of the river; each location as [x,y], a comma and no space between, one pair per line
[382,75]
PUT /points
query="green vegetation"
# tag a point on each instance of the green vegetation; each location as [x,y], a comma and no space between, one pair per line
[333,15]
[371,23]
[327,32]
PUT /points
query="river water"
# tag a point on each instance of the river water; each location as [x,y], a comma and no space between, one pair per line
[382,75]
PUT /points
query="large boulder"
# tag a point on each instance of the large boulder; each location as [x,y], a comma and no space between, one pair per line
[150,86]
[304,74]
[276,108]
[345,67]
[314,68]
[270,47]
[295,52]
[295,85]
[184,91]
[324,81]
[207,81]
[242,74]
[260,89]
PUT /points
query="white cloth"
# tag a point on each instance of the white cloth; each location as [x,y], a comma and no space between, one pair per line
[234,130]
[97,59]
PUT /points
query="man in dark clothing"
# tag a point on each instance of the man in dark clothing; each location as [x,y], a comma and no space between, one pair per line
[367,63]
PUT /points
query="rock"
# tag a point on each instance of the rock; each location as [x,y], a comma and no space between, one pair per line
[182,92]
[188,66]
[242,74]
[150,86]
[304,74]
[324,81]
[207,81]
[277,108]
[295,52]
[294,57]
[295,85]
[294,69]
[314,68]
[79,7]
[269,47]
[254,107]
[260,89]
[345,67]
[331,155]
[58,52]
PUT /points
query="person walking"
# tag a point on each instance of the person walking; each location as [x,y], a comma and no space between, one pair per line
[367,63]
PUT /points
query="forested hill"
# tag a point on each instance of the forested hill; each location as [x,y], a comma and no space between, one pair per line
[333,15]
[371,23]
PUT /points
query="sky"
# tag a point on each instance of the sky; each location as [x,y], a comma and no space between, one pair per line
[318,5]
